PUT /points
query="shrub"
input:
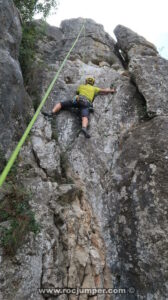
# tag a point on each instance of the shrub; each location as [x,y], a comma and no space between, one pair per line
[28,8]
[30,33]
[15,209]
[16,216]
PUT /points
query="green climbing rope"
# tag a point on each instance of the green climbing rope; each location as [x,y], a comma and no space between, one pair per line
[30,125]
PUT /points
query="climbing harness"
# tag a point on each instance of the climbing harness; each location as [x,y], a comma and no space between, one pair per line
[83,101]
[78,101]
[30,125]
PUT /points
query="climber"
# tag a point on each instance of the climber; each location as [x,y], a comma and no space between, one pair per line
[83,100]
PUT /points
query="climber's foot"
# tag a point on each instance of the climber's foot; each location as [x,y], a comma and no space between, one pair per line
[86,134]
[49,115]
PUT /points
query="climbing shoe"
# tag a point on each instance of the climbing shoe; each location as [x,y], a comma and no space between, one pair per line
[86,134]
[49,115]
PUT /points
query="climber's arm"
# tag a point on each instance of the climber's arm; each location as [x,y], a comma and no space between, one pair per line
[106,91]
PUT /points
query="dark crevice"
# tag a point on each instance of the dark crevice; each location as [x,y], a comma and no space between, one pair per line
[55,177]
[144,113]
[38,161]
[120,54]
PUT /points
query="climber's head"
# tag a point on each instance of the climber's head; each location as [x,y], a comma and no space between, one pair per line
[90,80]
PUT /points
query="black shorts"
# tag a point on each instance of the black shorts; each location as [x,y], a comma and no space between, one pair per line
[82,104]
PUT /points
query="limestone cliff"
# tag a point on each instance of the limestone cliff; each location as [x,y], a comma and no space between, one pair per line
[15,103]
[101,203]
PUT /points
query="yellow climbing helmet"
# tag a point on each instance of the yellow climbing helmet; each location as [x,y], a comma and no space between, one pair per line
[90,80]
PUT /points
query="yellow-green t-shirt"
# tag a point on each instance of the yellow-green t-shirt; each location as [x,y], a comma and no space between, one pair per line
[88,91]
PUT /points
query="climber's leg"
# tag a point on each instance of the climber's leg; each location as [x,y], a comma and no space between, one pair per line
[85,122]
[63,105]
[84,109]
[57,108]
[84,126]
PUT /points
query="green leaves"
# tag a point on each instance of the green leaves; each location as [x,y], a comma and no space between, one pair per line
[28,8]
[17,218]
[30,33]
[27,48]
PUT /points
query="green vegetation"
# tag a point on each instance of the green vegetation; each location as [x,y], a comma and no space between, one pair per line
[30,32]
[16,216]
[21,220]
[28,8]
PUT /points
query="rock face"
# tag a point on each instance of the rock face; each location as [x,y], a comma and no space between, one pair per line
[14,102]
[139,189]
[101,202]
[95,45]
[148,70]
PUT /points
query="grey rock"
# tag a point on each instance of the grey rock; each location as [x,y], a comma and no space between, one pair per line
[10,31]
[147,69]
[127,39]
[149,74]
[46,151]
[94,44]
[138,185]
[101,202]
[14,101]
